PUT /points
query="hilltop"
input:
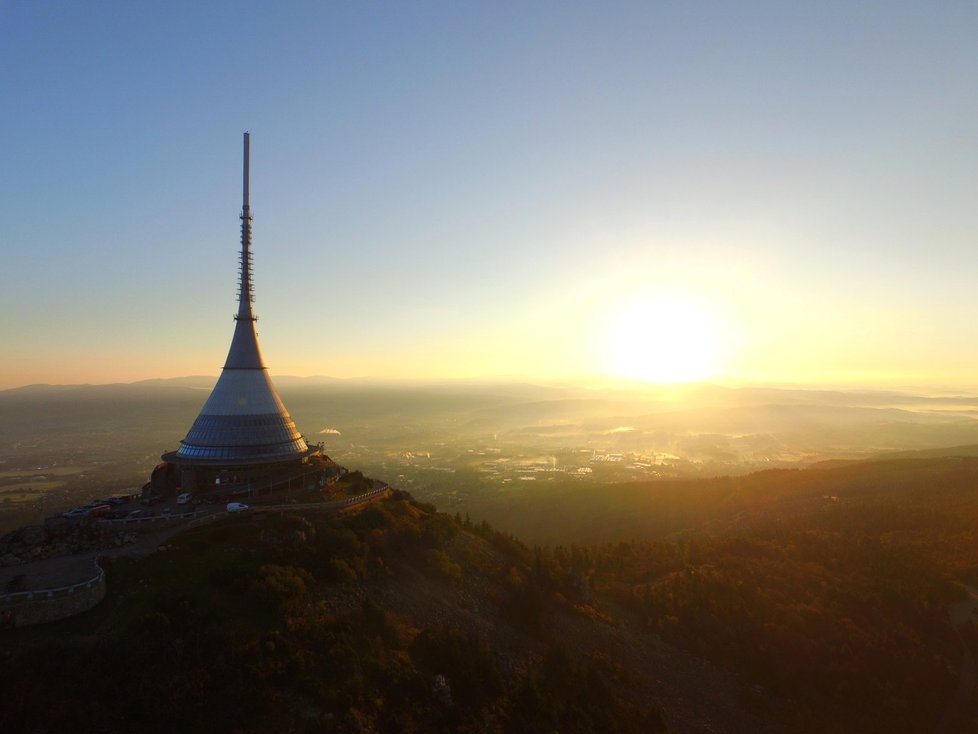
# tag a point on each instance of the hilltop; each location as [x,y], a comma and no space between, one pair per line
[394,618]
[789,600]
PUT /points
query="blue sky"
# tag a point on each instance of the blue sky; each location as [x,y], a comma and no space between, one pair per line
[481,189]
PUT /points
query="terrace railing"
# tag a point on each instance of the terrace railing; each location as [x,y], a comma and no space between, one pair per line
[17,596]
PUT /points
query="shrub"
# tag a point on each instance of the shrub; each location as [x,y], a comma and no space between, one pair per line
[279,586]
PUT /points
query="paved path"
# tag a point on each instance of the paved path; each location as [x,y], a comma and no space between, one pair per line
[51,573]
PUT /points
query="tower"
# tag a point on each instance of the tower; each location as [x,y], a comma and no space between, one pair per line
[243,434]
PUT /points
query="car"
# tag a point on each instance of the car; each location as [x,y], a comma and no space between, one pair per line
[138,513]
[153,499]
[184,498]
[77,512]
[117,500]
[236,507]
[101,510]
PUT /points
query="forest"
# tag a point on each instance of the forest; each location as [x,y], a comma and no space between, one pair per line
[790,600]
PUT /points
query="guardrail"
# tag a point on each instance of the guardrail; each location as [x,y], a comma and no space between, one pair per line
[257,488]
[333,505]
[149,518]
[17,596]
[357,499]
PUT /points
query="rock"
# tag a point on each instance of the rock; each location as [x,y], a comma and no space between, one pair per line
[299,534]
[441,690]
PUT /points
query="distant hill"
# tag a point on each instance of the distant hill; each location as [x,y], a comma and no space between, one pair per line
[653,510]
[969,450]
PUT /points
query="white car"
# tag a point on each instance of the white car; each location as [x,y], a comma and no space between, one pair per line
[236,507]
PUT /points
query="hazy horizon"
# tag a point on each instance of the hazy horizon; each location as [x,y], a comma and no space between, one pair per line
[586,382]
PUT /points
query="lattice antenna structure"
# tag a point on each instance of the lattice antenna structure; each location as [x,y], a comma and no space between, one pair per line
[246,289]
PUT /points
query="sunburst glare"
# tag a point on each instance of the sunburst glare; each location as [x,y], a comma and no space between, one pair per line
[662,338]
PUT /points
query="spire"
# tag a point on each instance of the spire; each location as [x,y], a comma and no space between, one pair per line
[244,352]
[243,420]
[245,288]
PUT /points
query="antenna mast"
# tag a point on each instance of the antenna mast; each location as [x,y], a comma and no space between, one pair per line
[245,288]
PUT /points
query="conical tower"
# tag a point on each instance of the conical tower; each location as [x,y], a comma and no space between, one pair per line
[244,422]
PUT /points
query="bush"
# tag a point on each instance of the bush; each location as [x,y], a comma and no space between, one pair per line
[441,563]
[279,586]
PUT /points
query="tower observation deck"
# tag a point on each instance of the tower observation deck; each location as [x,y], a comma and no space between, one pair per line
[244,423]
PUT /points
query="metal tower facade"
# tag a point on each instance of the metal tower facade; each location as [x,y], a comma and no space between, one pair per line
[244,420]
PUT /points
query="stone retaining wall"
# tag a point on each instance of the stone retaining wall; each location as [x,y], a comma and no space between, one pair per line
[48,605]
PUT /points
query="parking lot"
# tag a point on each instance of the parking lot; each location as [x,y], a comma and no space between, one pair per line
[133,509]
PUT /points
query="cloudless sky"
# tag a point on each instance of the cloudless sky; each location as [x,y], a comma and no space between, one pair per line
[445,189]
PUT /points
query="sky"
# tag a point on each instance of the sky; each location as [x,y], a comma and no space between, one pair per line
[744,192]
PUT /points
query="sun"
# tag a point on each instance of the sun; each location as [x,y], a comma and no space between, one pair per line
[662,338]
